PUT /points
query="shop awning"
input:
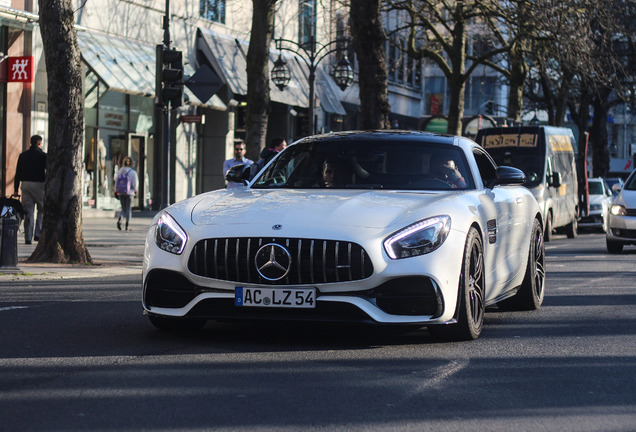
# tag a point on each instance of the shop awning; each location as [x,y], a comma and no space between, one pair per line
[227,55]
[128,66]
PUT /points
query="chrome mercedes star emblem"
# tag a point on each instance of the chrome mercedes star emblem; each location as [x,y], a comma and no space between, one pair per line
[272,261]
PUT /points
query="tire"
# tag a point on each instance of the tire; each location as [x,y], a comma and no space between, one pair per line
[604,226]
[532,291]
[547,236]
[176,324]
[571,228]
[471,305]
[613,246]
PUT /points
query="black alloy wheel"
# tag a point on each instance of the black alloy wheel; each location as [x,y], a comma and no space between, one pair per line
[471,304]
[532,291]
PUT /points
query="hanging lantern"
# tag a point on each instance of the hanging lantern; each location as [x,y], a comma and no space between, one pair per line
[281,75]
[343,73]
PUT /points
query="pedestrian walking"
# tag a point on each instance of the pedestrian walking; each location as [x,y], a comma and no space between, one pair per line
[30,175]
[126,182]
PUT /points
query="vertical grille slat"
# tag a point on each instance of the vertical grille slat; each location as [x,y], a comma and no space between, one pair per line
[349,261]
[312,260]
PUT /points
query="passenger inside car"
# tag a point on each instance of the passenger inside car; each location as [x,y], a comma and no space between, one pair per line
[443,167]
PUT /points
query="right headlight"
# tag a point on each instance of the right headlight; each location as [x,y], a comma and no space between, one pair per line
[618,210]
[419,238]
[169,236]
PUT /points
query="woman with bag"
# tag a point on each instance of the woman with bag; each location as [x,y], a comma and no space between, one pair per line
[126,182]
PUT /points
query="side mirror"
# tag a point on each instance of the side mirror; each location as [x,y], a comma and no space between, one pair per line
[238,174]
[555,180]
[616,187]
[510,176]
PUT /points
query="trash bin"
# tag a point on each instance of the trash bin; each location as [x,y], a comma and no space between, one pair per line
[11,214]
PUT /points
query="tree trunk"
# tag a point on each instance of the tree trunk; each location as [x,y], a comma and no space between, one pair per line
[518,74]
[598,134]
[368,41]
[457,79]
[62,238]
[258,99]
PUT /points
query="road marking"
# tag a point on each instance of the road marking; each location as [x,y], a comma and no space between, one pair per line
[12,308]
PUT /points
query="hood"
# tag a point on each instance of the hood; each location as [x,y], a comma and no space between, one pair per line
[368,209]
[598,199]
[628,198]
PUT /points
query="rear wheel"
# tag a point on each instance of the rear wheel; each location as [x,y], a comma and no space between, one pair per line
[572,227]
[470,319]
[532,290]
[614,246]
[548,227]
[176,324]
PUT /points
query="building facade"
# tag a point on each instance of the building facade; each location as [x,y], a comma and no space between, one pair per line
[118,42]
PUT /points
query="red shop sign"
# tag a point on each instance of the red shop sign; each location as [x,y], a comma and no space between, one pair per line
[20,69]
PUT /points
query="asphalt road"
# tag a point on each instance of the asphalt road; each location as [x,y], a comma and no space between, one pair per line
[78,355]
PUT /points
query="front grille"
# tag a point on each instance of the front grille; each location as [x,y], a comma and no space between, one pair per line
[312,261]
[631,212]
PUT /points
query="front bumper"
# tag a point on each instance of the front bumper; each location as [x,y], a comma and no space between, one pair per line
[414,299]
[622,228]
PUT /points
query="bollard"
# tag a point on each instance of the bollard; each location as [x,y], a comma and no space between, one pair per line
[8,245]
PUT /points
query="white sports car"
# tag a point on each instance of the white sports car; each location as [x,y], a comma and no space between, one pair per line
[402,228]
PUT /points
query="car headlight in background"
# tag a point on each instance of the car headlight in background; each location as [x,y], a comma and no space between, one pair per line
[618,210]
[419,238]
[169,236]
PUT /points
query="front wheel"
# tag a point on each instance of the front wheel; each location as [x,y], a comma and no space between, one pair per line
[471,304]
[614,246]
[532,290]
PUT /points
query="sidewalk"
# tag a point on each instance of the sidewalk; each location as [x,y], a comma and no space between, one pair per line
[113,252]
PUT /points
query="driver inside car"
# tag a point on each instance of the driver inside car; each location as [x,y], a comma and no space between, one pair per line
[335,173]
[443,167]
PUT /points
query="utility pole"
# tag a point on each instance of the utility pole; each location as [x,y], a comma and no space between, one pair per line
[169,92]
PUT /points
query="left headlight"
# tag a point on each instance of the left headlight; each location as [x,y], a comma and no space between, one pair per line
[169,236]
[618,210]
[419,238]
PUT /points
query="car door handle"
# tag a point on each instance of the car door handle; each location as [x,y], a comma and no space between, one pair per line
[519,200]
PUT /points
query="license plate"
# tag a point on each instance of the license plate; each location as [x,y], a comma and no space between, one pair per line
[275,297]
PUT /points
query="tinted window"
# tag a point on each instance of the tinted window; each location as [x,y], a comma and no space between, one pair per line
[348,164]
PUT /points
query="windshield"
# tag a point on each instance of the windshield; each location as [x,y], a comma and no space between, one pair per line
[596,188]
[373,164]
[522,148]
[631,182]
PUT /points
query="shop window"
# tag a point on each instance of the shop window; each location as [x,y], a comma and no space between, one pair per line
[213,10]
[307,21]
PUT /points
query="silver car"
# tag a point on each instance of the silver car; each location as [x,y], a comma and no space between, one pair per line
[600,199]
[622,218]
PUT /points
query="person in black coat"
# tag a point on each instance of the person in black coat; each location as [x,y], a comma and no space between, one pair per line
[30,175]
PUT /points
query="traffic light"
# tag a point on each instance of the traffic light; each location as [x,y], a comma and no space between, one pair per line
[169,76]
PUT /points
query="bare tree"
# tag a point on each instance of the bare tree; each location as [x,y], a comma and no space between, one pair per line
[62,238]
[368,40]
[439,30]
[258,95]
[578,65]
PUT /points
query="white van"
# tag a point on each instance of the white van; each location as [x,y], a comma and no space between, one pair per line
[546,156]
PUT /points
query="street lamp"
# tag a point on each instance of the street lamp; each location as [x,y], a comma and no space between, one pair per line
[312,54]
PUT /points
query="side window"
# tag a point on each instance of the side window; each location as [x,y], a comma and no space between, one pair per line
[487,168]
